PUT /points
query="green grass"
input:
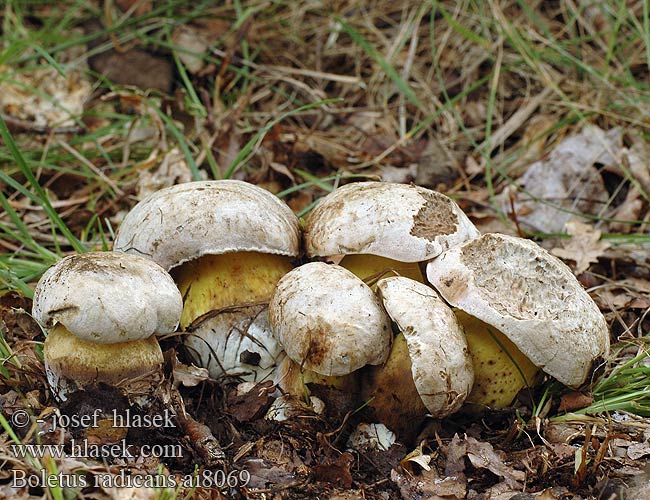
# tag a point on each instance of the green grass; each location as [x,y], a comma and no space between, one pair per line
[625,388]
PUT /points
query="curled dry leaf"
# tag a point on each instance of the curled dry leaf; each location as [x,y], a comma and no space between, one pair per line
[173,169]
[584,247]
[188,375]
[483,456]
[43,96]
[416,457]
[566,182]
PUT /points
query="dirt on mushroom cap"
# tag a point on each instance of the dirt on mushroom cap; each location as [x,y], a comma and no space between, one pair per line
[328,320]
[398,221]
[531,297]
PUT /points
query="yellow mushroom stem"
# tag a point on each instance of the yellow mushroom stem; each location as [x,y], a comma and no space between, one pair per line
[373,268]
[296,381]
[393,397]
[500,369]
[214,282]
[73,364]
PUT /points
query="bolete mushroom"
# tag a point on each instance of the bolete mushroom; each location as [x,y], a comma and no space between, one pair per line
[226,244]
[527,298]
[429,370]
[102,311]
[328,321]
[380,226]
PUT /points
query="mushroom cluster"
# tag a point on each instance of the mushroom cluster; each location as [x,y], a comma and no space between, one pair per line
[404,304]
[493,311]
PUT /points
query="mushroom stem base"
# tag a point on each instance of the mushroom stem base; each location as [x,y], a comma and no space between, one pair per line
[394,399]
[72,364]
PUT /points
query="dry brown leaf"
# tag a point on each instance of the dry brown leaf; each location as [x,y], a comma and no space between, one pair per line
[194,40]
[483,455]
[265,474]
[135,67]
[456,452]
[140,7]
[251,405]
[574,401]
[173,169]
[43,96]
[567,179]
[335,472]
[429,486]
[584,247]
[638,450]
[416,457]
[189,375]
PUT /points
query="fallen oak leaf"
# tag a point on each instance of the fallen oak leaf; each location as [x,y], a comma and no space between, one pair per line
[584,247]
[482,455]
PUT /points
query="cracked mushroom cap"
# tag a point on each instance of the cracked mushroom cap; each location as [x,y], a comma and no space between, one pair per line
[440,360]
[328,320]
[185,221]
[403,222]
[531,297]
[108,297]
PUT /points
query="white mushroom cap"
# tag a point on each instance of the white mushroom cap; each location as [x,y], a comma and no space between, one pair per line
[186,221]
[440,361]
[531,297]
[403,222]
[328,320]
[108,297]
[237,342]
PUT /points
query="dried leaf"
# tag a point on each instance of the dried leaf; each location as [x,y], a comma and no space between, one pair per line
[584,247]
[189,375]
[336,472]
[194,40]
[251,405]
[482,455]
[135,67]
[456,452]
[43,96]
[568,180]
[141,6]
[574,401]
[265,474]
[373,437]
[417,456]
[638,450]
[15,322]
[430,486]
[173,169]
